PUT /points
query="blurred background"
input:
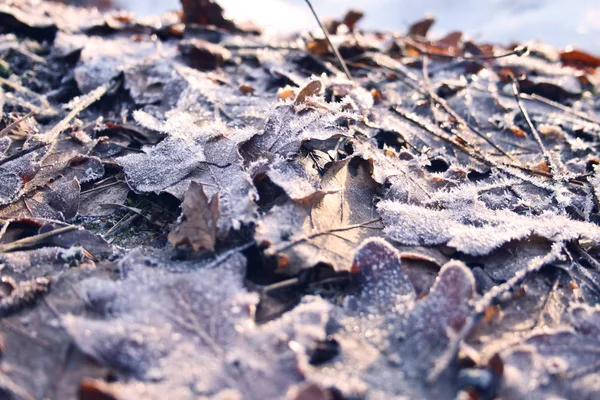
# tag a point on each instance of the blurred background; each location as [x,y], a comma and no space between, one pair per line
[557,22]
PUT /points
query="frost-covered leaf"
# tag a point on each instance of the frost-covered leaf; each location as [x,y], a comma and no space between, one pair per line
[170,161]
[95,203]
[285,131]
[298,179]
[198,226]
[557,362]
[64,198]
[327,231]
[473,228]
[382,281]
[102,59]
[388,337]
[191,334]
[10,186]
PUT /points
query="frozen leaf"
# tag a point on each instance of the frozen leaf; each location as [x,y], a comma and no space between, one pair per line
[94,244]
[24,294]
[388,338]
[23,23]
[285,131]
[171,160]
[191,333]
[39,262]
[382,282]
[95,202]
[10,186]
[442,313]
[154,82]
[206,12]
[579,58]
[102,59]
[560,361]
[299,180]
[475,229]
[352,17]
[64,198]
[198,226]
[327,231]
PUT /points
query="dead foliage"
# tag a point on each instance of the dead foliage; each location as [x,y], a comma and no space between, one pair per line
[189,209]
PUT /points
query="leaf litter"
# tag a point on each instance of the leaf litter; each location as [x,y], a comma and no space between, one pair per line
[195,208]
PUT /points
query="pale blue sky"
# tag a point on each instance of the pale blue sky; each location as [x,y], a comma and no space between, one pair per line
[556,22]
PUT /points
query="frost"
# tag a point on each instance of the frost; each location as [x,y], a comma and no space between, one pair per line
[475,229]
[301,235]
[191,333]
[171,160]
[489,208]
[386,325]
[10,186]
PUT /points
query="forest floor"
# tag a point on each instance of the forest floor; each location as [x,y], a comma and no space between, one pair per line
[196,209]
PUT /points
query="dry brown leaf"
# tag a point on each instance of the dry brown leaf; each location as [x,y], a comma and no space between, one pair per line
[198,227]
[420,28]
[329,230]
[352,17]
[318,47]
[311,88]
[450,40]
[206,12]
[574,57]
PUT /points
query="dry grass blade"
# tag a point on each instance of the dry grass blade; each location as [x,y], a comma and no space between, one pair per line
[534,132]
[568,110]
[34,240]
[333,47]
[10,126]
[22,89]
[83,103]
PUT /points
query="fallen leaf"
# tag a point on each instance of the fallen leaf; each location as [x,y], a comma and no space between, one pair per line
[351,18]
[328,230]
[318,47]
[206,12]
[198,226]
[579,58]
[203,55]
[420,28]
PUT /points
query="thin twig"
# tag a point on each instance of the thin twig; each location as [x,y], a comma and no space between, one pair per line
[414,82]
[517,51]
[547,300]
[535,133]
[32,240]
[25,334]
[327,232]
[568,110]
[83,103]
[120,225]
[10,126]
[582,371]
[22,89]
[333,47]
[102,187]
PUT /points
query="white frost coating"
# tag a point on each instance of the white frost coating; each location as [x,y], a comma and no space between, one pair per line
[192,334]
[171,160]
[473,228]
